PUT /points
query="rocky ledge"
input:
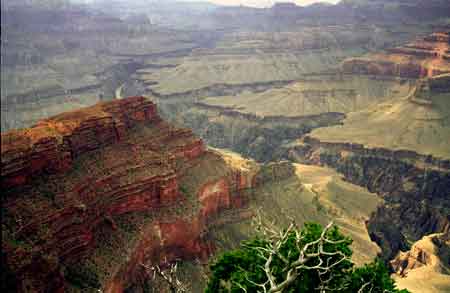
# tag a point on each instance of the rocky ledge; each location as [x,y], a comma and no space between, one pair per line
[426,57]
[94,194]
[427,262]
[414,187]
[427,252]
[52,144]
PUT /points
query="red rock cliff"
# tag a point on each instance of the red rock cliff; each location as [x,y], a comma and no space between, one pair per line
[74,172]
[133,189]
[423,58]
[52,144]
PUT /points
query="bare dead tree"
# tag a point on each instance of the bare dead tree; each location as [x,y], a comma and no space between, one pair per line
[320,255]
[278,239]
[169,276]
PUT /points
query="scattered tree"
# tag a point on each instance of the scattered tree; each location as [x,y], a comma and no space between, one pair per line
[312,259]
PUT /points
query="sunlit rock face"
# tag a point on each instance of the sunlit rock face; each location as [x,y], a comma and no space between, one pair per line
[110,188]
[52,144]
[70,173]
[415,187]
[426,57]
[427,262]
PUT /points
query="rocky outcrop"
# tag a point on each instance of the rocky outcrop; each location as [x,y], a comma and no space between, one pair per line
[273,172]
[426,266]
[126,176]
[381,67]
[248,134]
[438,37]
[422,58]
[163,241]
[52,144]
[424,253]
[311,143]
[71,173]
[415,188]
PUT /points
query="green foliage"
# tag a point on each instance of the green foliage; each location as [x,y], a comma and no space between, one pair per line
[244,267]
[184,190]
[374,276]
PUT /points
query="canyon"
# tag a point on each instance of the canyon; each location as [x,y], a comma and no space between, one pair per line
[150,133]
[408,166]
[96,211]
[396,146]
[112,184]
[425,57]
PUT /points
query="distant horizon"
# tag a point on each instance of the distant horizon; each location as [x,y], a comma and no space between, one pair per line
[250,3]
[262,3]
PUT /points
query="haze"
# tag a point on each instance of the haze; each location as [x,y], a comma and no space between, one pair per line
[254,3]
[263,3]
[139,137]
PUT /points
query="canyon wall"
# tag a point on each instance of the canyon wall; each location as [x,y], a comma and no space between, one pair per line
[52,144]
[248,134]
[425,57]
[186,237]
[426,266]
[415,188]
[95,194]
[380,67]
[71,173]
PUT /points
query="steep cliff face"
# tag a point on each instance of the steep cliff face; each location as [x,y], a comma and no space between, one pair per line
[425,252]
[427,262]
[71,173]
[423,58]
[52,144]
[415,188]
[248,134]
[134,190]
[397,149]
[219,181]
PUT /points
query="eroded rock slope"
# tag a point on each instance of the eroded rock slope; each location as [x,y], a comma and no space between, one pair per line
[92,195]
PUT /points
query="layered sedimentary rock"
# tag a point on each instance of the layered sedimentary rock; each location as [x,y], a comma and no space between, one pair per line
[423,253]
[423,58]
[112,187]
[52,144]
[70,173]
[399,148]
[222,184]
[440,83]
[415,187]
[427,262]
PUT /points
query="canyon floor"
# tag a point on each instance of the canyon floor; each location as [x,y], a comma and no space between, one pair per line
[136,135]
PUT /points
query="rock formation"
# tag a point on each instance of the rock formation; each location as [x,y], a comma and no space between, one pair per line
[103,187]
[423,253]
[52,144]
[415,187]
[423,58]
[86,167]
[408,165]
[427,262]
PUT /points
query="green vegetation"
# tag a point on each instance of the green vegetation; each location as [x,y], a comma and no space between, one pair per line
[298,197]
[312,259]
